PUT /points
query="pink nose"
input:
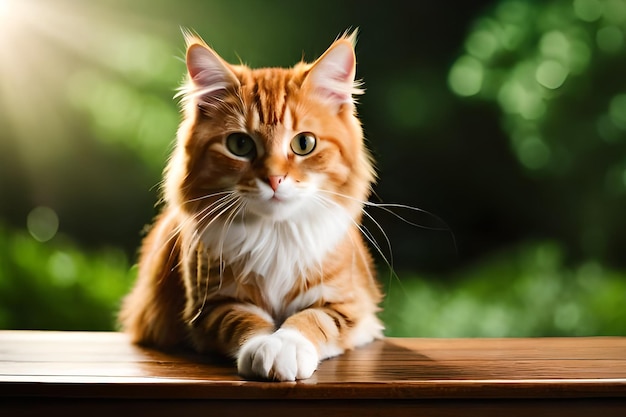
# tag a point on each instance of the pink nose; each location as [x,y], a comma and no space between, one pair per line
[275,180]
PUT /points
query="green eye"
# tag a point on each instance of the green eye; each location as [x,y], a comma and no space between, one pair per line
[241,145]
[303,143]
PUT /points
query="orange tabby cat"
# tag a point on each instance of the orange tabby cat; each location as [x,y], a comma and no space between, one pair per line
[258,252]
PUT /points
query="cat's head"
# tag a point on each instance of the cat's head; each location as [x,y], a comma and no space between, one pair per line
[273,143]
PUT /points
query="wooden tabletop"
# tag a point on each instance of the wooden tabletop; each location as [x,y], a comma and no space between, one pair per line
[80,365]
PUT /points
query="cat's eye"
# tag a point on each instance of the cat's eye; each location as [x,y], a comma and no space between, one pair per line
[241,145]
[303,143]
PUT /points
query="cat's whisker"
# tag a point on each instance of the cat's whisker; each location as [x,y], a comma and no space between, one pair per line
[214,207]
[225,228]
[176,231]
[328,204]
[233,202]
[366,232]
[204,197]
[196,236]
[223,207]
[372,238]
[387,207]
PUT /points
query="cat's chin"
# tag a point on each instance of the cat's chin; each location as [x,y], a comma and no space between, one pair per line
[274,209]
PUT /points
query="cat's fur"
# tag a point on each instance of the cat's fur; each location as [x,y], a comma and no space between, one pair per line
[260,256]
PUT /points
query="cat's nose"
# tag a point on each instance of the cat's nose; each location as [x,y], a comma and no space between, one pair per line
[275,180]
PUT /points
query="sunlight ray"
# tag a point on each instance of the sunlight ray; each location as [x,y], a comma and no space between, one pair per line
[43,46]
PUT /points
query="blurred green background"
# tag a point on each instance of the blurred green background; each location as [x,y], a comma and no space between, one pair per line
[505,118]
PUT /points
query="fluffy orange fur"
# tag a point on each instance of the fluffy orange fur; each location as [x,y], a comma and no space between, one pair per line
[258,252]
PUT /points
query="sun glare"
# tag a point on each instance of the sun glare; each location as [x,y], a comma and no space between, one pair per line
[44,47]
[7,9]
[33,68]
[4,7]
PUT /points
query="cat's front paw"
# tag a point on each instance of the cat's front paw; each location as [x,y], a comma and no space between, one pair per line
[284,356]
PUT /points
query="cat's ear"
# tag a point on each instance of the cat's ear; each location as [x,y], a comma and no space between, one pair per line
[209,74]
[332,76]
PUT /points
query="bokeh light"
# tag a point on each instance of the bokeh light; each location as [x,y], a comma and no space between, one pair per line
[551,74]
[63,269]
[541,69]
[42,223]
[588,10]
[617,111]
[466,76]
[610,39]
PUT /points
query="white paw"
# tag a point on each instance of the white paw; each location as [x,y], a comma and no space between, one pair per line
[284,356]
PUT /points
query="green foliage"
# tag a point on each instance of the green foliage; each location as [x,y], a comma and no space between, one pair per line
[57,285]
[522,292]
[541,62]
[554,70]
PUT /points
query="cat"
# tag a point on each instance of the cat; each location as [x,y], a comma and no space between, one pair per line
[258,252]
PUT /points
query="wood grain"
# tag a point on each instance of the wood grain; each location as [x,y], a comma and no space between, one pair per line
[69,371]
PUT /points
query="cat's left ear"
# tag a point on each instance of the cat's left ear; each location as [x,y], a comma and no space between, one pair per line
[208,72]
[332,76]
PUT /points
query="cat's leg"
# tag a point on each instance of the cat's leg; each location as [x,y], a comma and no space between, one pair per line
[226,325]
[248,334]
[294,351]
[335,328]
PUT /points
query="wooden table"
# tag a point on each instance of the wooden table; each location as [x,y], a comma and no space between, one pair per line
[102,374]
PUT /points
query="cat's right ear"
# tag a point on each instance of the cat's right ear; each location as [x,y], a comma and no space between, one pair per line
[332,76]
[208,73]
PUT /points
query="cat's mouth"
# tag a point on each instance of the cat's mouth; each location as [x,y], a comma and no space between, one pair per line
[278,200]
[275,207]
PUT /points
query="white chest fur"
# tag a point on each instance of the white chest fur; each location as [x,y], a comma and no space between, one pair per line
[278,253]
